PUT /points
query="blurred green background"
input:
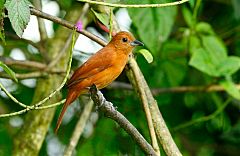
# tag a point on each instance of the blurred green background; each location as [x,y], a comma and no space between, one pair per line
[194,44]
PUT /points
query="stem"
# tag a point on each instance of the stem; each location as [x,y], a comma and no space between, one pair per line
[108,109]
[205,118]
[134,5]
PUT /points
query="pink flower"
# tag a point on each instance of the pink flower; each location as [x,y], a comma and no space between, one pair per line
[79,25]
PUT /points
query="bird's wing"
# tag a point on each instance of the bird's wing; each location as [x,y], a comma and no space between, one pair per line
[94,65]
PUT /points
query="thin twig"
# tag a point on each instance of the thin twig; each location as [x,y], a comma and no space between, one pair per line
[147,112]
[12,97]
[35,74]
[25,63]
[50,95]
[160,126]
[134,5]
[179,89]
[41,25]
[79,129]
[58,57]
[32,108]
[108,109]
[205,118]
[15,37]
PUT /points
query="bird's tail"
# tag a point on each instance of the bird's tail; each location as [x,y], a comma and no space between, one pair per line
[71,96]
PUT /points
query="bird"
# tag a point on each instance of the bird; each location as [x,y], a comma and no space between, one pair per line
[100,69]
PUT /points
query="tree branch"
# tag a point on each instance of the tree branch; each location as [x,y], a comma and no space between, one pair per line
[108,109]
[27,64]
[160,126]
[180,89]
[66,24]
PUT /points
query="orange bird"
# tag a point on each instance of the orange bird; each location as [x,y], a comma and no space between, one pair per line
[100,69]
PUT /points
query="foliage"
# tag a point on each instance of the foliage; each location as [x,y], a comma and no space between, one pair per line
[191,46]
[8,71]
[19,14]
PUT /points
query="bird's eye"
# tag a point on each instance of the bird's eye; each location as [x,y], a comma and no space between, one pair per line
[124,39]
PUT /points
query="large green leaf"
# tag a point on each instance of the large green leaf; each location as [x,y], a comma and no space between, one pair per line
[202,61]
[215,48]
[209,53]
[19,14]
[153,24]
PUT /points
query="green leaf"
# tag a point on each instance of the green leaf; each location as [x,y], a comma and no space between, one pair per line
[188,17]
[210,57]
[202,61]
[8,71]
[192,3]
[229,66]
[102,17]
[230,88]
[204,28]
[153,25]
[146,54]
[19,14]
[215,47]
[171,68]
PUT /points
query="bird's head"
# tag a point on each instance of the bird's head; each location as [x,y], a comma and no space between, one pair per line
[125,42]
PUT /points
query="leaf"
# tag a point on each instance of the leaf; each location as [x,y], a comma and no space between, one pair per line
[171,68]
[210,57]
[229,66]
[147,55]
[204,28]
[192,2]
[215,47]
[19,14]
[188,17]
[1,4]
[201,61]
[230,88]
[153,25]
[102,17]
[8,71]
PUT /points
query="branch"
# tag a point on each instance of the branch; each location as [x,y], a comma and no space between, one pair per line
[79,128]
[135,5]
[15,37]
[26,63]
[108,109]
[180,89]
[160,126]
[35,74]
[66,24]
[32,108]
[41,25]
[148,114]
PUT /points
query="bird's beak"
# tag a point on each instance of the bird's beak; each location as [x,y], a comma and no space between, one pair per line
[136,43]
